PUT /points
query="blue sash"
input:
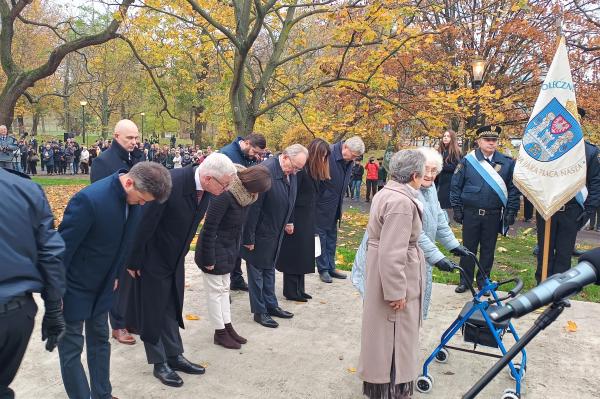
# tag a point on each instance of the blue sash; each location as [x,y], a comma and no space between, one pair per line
[490,176]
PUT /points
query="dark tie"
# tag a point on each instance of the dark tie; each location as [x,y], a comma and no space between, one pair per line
[199,196]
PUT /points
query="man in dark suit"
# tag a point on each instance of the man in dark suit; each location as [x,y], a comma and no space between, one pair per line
[158,261]
[97,229]
[31,254]
[269,219]
[121,155]
[246,152]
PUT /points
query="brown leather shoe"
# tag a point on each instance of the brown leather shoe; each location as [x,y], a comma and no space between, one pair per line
[123,336]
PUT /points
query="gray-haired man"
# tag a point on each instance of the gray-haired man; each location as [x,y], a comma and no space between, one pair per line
[329,203]
[8,145]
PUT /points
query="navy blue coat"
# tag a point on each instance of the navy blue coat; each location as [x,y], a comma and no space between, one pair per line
[468,189]
[592,178]
[331,192]
[162,242]
[267,218]
[31,250]
[98,237]
[234,152]
[111,160]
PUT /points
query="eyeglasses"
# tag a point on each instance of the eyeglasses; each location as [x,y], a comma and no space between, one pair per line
[294,167]
[432,171]
[223,186]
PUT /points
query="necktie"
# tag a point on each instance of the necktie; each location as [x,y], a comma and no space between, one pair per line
[199,196]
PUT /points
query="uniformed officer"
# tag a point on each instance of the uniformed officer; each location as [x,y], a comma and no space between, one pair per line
[484,200]
[569,219]
[8,145]
[31,254]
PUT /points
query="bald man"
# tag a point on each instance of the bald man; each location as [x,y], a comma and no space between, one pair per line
[122,154]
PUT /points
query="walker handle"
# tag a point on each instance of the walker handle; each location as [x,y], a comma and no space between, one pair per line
[516,289]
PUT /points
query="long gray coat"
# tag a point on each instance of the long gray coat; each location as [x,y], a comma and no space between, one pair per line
[435,228]
[395,270]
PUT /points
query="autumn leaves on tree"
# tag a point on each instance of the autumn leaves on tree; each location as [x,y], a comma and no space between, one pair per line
[292,69]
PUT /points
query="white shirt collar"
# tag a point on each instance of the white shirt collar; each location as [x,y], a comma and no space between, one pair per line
[197,179]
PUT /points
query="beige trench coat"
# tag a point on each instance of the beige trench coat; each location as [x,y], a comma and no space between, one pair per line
[395,270]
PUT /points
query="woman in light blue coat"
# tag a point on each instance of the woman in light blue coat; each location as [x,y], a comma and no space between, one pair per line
[435,228]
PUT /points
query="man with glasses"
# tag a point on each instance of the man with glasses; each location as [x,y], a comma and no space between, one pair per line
[329,203]
[158,263]
[246,152]
[484,200]
[269,218]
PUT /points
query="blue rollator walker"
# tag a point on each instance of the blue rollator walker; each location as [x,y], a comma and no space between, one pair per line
[478,328]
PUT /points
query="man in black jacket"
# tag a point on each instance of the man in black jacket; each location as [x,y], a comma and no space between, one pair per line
[31,259]
[158,261]
[246,152]
[119,156]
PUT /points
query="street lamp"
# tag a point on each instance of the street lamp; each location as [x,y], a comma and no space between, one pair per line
[478,66]
[143,115]
[83,103]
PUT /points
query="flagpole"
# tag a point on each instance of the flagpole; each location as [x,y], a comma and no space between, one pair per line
[546,249]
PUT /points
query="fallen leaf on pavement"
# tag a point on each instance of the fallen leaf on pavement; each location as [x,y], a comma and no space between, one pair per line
[191,316]
[352,369]
[571,326]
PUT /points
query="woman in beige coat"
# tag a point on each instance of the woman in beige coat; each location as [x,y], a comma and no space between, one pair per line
[395,278]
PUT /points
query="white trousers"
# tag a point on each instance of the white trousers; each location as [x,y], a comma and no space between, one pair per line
[217,295]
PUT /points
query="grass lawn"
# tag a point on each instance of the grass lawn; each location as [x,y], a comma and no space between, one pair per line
[513,257]
[58,181]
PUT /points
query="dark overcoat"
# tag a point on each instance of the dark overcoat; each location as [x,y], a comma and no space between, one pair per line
[298,250]
[469,189]
[98,236]
[115,158]
[267,218]
[443,180]
[163,240]
[331,192]
[219,241]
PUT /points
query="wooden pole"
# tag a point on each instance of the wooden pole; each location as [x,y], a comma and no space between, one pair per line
[546,249]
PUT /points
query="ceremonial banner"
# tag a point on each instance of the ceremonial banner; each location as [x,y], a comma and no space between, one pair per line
[550,168]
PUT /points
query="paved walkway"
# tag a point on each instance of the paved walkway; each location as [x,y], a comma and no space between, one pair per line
[315,354]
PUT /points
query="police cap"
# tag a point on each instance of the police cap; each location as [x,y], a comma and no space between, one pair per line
[489,132]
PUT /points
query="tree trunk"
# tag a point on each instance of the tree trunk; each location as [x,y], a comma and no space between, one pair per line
[35,122]
[66,99]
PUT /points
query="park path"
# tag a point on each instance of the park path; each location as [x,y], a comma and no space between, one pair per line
[315,354]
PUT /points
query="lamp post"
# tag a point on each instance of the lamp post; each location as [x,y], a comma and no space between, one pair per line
[143,115]
[477,68]
[83,103]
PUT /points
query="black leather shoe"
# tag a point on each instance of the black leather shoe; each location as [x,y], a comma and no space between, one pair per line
[278,312]
[299,299]
[239,286]
[305,295]
[335,274]
[325,277]
[180,363]
[460,289]
[265,320]
[166,375]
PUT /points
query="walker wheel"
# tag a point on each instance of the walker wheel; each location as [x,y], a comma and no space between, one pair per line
[424,384]
[518,369]
[510,394]
[442,356]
